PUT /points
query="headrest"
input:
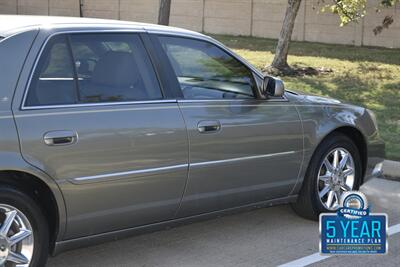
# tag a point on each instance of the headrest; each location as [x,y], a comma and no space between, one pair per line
[116,69]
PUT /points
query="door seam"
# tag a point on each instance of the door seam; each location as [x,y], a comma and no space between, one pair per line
[188,160]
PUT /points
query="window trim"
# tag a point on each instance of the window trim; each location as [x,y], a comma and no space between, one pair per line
[67,33]
[160,101]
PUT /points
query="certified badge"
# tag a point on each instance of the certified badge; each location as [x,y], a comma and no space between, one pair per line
[353,229]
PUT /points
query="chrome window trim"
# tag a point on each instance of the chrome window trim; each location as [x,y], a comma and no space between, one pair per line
[113,108]
[283,99]
[39,55]
[214,100]
[163,101]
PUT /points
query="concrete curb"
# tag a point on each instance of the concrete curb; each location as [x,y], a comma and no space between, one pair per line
[391,169]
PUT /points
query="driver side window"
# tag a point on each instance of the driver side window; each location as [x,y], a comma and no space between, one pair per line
[205,71]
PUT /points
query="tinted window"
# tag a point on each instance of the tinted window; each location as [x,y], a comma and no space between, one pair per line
[113,67]
[93,68]
[53,82]
[205,71]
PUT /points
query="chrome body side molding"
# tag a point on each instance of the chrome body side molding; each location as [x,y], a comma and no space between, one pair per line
[151,171]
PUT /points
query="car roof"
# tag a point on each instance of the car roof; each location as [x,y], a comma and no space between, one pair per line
[11,24]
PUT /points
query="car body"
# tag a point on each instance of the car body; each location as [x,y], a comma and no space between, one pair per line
[106,169]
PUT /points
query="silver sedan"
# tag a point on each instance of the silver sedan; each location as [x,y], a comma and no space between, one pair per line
[111,128]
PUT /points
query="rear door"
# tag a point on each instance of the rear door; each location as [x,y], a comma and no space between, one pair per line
[95,118]
[243,149]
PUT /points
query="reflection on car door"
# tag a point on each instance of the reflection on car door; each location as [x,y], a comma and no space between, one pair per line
[242,149]
[94,118]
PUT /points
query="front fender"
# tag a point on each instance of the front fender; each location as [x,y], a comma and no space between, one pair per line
[320,120]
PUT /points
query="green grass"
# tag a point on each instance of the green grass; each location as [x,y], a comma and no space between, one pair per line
[369,77]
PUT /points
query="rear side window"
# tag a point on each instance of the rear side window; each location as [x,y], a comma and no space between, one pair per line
[93,68]
[205,71]
[53,81]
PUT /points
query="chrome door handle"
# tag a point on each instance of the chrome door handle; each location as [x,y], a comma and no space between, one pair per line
[208,126]
[60,138]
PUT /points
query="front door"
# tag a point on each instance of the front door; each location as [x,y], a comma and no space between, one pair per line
[242,149]
[94,119]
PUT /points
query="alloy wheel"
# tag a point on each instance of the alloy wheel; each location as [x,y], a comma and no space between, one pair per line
[336,175]
[16,237]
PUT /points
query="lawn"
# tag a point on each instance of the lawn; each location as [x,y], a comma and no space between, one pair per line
[365,76]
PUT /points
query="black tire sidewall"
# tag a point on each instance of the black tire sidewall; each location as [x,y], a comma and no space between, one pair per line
[337,141]
[27,205]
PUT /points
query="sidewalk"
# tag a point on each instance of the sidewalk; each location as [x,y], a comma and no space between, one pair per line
[391,170]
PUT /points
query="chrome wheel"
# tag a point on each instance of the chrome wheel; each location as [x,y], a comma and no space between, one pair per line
[336,175]
[16,237]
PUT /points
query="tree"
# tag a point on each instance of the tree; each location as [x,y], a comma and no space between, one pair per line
[164,12]
[282,49]
[347,10]
[81,8]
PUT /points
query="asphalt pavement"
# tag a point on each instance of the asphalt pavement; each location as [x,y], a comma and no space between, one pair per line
[265,237]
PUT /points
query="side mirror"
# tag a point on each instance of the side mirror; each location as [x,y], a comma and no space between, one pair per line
[272,87]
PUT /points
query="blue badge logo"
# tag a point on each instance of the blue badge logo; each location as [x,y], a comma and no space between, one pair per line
[353,229]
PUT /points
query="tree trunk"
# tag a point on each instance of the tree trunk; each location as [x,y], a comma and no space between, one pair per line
[282,49]
[81,8]
[164,12]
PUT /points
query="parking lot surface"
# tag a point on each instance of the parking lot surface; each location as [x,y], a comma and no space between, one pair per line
[264,237]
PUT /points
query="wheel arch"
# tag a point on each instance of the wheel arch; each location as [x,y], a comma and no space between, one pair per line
[305,205]
[357,137]
[42,189]
[350,131]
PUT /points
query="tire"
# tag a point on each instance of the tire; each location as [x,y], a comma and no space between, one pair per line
[28,209]
[308,204]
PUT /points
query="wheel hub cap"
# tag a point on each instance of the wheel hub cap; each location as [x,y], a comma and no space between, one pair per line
[335,179]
